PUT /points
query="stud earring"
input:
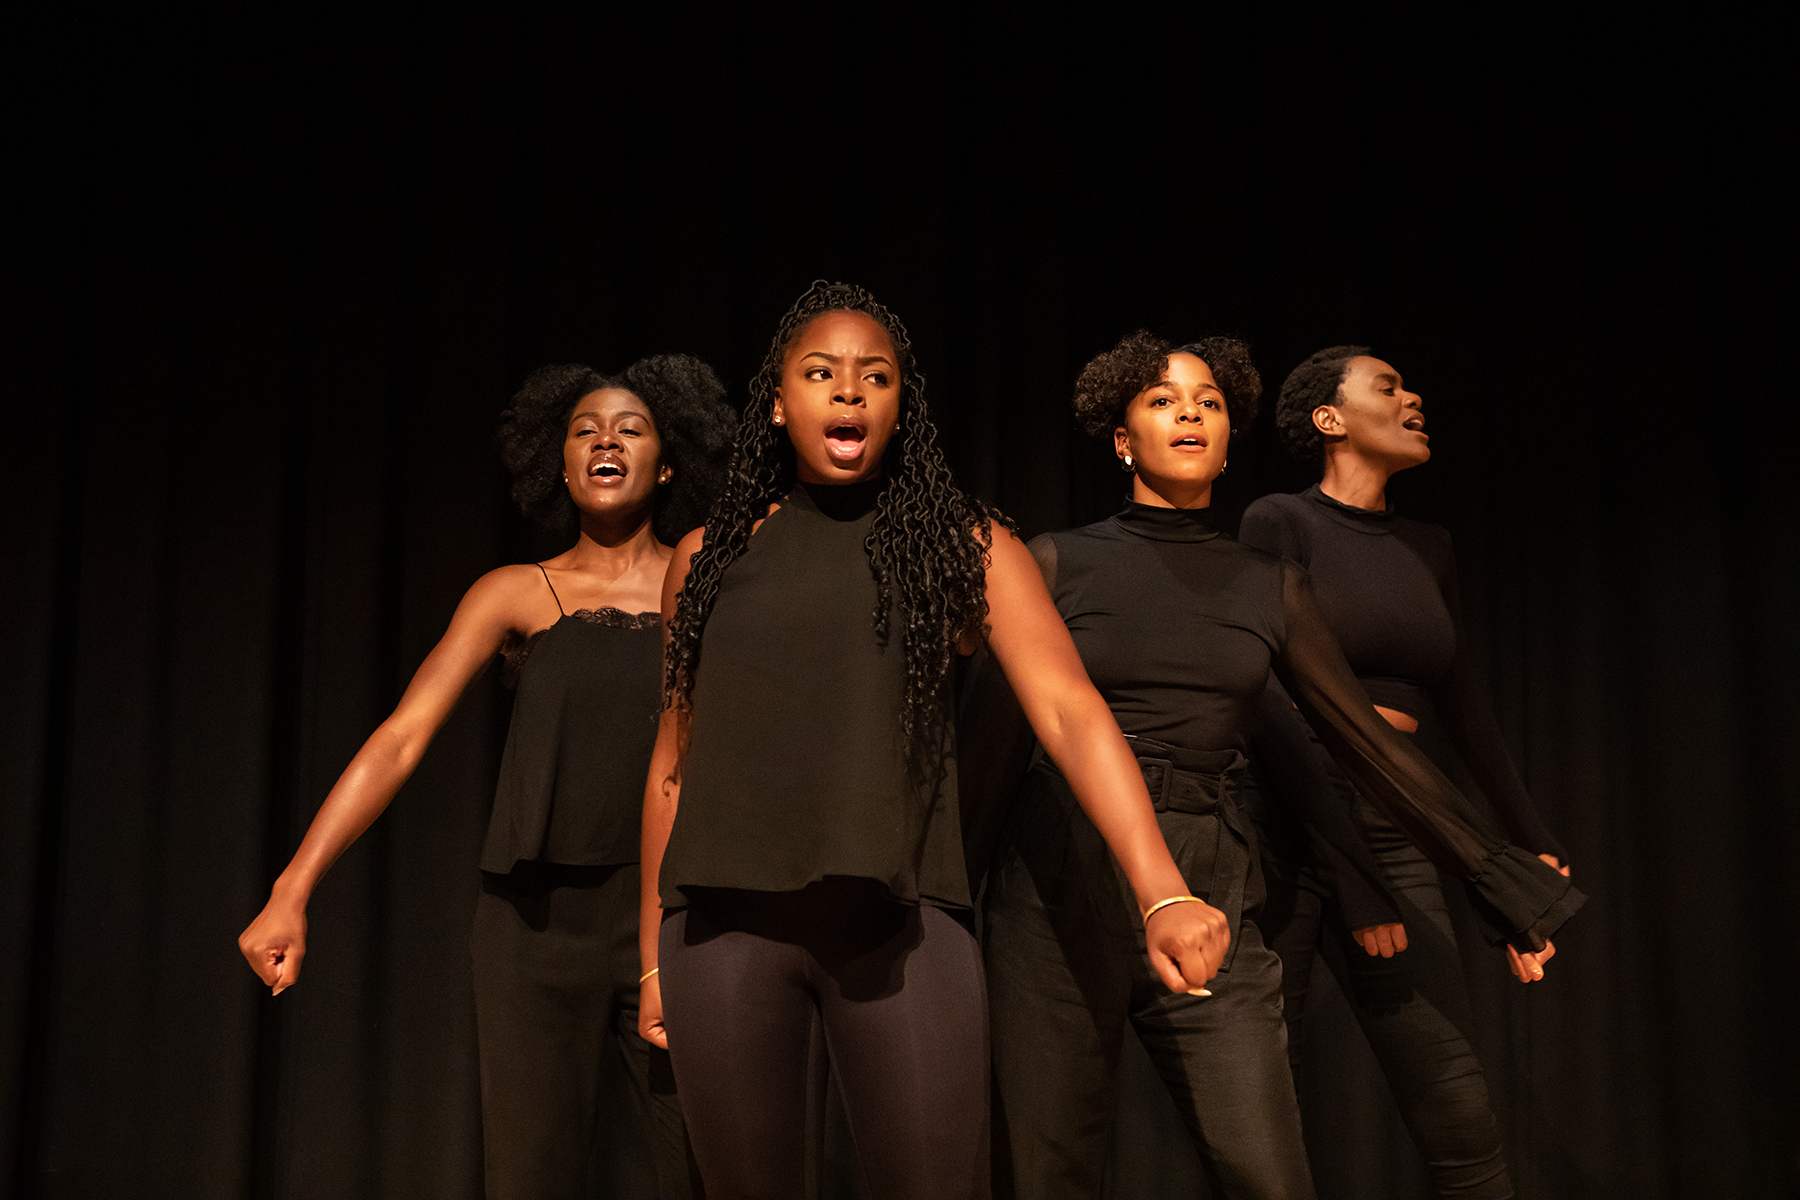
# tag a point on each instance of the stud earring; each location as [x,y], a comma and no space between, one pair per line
[777,418]
[1127,465]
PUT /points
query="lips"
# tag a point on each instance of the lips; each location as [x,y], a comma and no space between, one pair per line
[1190,441]
[1416,423]
[607,467]
[844,439]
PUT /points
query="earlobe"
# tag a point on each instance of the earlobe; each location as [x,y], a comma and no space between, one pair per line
[778,416]
[1326,420]
[1122,447]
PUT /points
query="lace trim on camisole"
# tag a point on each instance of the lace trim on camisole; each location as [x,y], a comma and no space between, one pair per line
[607,617]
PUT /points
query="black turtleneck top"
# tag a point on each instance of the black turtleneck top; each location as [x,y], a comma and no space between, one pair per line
[1387,588]
[1178,627]
[796,768]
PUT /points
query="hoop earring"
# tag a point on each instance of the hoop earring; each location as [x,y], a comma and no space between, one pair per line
[1126,464]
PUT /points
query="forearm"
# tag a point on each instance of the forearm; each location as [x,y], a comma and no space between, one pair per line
[1094,757]
[662,796]
[361,794]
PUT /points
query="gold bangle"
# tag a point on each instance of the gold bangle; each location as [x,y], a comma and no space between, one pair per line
[1160,904]
[648,974]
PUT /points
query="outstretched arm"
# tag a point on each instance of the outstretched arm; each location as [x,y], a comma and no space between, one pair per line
[275,942]
[1187,941]
[1522,900]
[662,795]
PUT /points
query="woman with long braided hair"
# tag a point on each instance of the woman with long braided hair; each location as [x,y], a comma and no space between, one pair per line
[802,852]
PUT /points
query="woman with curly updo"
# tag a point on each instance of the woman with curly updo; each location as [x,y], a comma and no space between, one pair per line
[1179,627]
[802,851]
[1386,587]
[625,465]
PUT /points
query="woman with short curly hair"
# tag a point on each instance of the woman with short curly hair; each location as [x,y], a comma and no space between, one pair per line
[1387,587]
[1179,626]
[802,849]
[624,465]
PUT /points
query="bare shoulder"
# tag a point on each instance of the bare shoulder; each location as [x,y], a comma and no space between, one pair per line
[506,587]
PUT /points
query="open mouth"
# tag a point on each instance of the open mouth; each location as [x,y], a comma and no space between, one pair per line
[844,441]
[607,468]
[1190,442]
[1416,423]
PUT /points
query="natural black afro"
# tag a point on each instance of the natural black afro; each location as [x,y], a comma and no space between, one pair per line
[1108,383]
[685,400]
[1309,385]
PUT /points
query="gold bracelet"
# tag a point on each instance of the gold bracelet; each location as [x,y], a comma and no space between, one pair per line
[1160,904]
[648,974]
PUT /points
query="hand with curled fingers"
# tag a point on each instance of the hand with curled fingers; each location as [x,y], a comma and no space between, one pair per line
[1529,967]
[650,1011]
[1381,941]
[1187,938]
[275,943]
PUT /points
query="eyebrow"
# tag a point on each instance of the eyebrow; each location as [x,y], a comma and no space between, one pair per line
[836,358]
[1388,375]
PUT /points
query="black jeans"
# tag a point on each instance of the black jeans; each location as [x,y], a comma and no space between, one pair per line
[1068,970]
[556,979]
[748,978]
[1413,1008]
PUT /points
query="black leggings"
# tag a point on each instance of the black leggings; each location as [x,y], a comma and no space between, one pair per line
[1413,1008]
[556,966]
[898,990]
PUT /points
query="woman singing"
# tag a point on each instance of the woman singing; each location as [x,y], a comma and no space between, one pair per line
[626,464]
[1386,587]
[1179,627]
[802,856]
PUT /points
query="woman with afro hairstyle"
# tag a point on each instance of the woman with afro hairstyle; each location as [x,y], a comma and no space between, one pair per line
[802,854]
[1179,626]
[624,465]
[1386,586]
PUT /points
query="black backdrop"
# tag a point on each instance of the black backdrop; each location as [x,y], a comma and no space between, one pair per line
[266,287]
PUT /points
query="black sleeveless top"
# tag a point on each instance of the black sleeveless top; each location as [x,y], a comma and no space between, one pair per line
[583,724]
[796,768]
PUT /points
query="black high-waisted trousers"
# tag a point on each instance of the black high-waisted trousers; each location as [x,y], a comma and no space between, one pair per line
[747,977]
[556,967]
[1068,971]
[1413,1008]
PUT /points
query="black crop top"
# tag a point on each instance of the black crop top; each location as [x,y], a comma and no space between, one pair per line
[796,768]
[1179,627]
[583,724]
[1387,588]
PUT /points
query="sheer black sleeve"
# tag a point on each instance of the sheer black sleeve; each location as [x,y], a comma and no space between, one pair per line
[1475,733]
[1522,899]
[1289,755]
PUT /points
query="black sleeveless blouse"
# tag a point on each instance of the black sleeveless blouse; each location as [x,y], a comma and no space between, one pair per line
[583,724]
[796,768]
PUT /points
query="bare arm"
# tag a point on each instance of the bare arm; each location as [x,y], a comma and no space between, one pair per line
[662,795]
[1028,638]
[275,942]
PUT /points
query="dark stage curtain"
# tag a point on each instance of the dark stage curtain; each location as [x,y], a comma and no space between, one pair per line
[266,290]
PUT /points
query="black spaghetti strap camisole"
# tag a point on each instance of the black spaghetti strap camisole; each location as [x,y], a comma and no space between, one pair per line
[584,718]
[796,768]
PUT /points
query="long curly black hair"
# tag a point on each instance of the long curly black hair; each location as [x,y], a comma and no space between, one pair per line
[929,542]
[1314,382]
[693,422]
[1110,380]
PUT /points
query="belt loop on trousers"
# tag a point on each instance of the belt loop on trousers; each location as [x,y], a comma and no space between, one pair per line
[1159,778]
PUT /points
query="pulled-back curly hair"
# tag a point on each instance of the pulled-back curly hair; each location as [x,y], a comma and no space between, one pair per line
[1314,382]
[686,401]
[1110,380]
[929,542]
